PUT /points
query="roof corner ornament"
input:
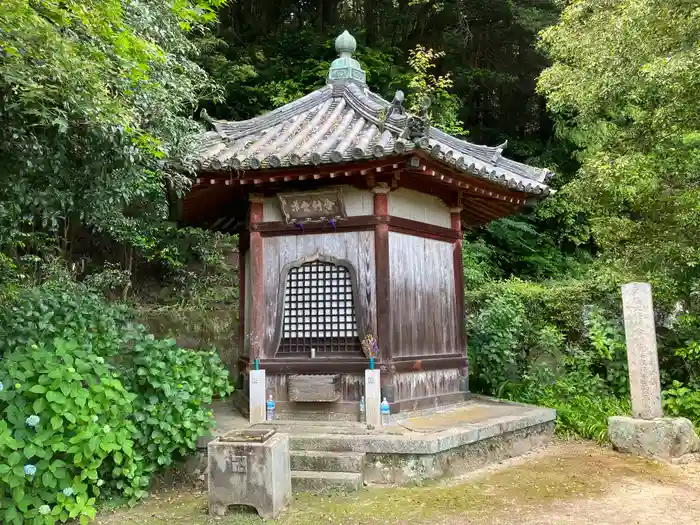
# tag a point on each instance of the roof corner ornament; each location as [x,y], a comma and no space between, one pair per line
[396,105]
[418,126]
[497,154]
[204,115]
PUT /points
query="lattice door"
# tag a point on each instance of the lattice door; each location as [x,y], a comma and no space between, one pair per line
[319,311]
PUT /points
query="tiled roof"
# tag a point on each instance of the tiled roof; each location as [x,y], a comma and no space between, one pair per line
[344,122]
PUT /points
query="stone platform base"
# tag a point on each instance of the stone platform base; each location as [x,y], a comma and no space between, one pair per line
[663,438]
[429,444]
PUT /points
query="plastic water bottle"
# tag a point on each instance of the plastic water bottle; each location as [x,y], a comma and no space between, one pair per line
[270,405]
[363,416]
[384,409]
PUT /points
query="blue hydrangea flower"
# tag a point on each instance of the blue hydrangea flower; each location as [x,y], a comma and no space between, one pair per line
[32,420]
[29,470]
[1,387]
[68,491]
[44,510]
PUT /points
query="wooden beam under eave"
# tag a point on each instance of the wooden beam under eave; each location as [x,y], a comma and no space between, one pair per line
[497,207]
[479,214]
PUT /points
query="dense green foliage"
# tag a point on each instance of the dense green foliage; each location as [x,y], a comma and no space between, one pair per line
[97,100]
[543,289]
[95,111]
[112,403]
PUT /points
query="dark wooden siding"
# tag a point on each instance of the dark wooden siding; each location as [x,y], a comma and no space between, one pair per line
[422,296]
[433,383]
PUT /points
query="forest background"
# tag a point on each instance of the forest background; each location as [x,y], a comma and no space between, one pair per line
[99,111]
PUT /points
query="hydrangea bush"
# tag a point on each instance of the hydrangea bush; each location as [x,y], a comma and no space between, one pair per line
[91,404]
[64,426]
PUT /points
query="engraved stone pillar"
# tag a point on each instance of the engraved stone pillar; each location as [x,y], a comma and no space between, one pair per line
[256,396]
[372,397]
[642,356]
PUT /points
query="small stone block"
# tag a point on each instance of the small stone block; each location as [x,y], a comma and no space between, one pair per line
[373,398]
[661,438]
[314,388]
[256,384]
[249,472]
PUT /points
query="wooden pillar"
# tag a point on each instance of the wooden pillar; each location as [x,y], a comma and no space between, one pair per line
[241,293]
[256,308]
[458,265]
[383,276]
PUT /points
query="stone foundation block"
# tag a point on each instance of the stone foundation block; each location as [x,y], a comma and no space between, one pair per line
[660,438]
[249,467]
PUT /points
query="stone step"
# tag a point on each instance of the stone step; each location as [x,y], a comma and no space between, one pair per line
[305,481]
[314,460]
[323,442]
[303,428]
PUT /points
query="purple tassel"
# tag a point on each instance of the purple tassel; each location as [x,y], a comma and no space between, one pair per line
[299,225]
[332,222]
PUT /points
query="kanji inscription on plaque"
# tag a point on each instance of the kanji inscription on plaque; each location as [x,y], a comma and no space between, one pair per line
[312,206]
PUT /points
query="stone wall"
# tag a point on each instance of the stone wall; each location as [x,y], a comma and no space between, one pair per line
[199,329]
[414,468]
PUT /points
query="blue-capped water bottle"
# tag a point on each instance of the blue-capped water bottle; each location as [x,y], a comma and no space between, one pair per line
[270,408]
[363,416]
[384,409]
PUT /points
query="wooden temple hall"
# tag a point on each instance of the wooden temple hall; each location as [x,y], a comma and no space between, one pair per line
[350,213]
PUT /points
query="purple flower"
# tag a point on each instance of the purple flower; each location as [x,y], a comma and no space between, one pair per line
[370,346]
[299,225]
[332,223]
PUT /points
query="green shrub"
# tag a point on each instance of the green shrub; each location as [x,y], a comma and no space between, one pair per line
[494,342]
[582,400]
[172,387]
[114,403]
[65,431]
[684,401]
[64,310]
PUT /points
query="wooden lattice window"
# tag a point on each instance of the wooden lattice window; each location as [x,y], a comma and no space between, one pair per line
[318,309]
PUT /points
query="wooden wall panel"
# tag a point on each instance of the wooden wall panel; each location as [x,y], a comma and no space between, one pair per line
[411,385]
[357,203]
[416,206]
[356,247]
[422,296]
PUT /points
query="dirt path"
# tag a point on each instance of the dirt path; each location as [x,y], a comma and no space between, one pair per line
[566,483]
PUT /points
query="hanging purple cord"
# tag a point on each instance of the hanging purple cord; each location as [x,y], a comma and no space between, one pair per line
[299,225]
[332,223]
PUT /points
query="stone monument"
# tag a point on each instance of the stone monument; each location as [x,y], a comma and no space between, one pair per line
[647,432]
[642,355]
